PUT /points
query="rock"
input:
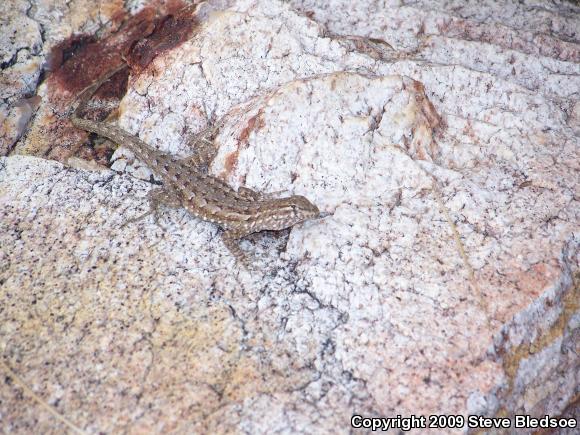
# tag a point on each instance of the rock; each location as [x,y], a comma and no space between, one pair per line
[20,64]
[445,280]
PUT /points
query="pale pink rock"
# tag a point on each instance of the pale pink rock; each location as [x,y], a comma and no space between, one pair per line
[443,282]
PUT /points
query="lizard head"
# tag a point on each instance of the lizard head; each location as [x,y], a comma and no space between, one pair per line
[302,209]
[290,211]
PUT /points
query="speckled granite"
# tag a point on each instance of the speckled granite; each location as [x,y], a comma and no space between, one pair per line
[444,281]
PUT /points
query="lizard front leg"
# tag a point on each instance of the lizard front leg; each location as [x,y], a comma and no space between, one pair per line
[231,239]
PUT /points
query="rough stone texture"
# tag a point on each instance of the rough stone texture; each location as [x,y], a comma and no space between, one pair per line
[30,30]
[532,44]
[445,280]
[20,62]
[46,37]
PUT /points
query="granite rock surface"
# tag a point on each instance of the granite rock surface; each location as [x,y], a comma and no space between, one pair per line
[441,136]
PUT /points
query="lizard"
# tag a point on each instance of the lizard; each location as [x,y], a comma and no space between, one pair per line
[186,183]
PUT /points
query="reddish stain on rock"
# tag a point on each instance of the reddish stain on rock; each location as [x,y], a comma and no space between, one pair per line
[230,163]
[254,123]
[426,107]
[80,60]
[170,32]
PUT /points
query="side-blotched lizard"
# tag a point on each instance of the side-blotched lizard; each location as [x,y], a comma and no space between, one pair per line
[186,183]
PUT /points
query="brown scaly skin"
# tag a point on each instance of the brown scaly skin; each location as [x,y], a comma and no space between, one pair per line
[186,183]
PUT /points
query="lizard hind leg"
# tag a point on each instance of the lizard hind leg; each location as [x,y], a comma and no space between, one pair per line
[249,194]
[156,197]
[252,195]
[204,148]
[202,155]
